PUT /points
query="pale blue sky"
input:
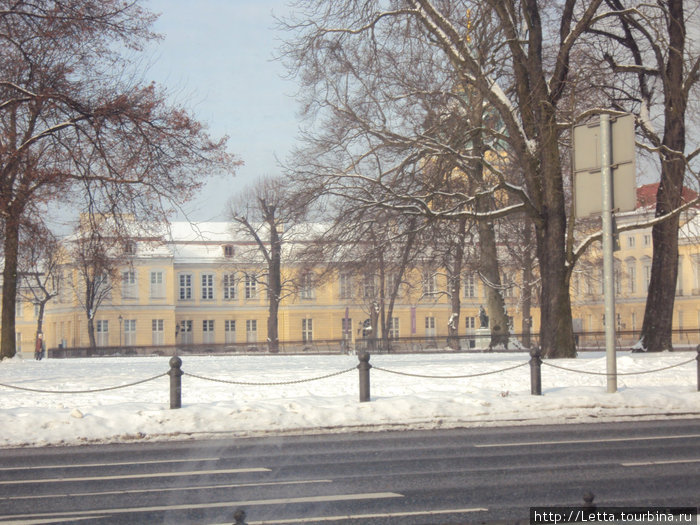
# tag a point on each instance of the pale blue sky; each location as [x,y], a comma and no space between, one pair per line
[216,59]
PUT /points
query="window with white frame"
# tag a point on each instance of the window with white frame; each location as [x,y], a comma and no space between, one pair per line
[129,288]
[679,278]
[229,284]
[230,331]
[392,281]
[469,286]
[345,286]
[647,274]
[307,286]
[430,327]
[251,286]
[102,329]
[470,322]
[368,287]
[157,332]
[157,284]
[307,330]
[251,331]
[647,239]
[185,286]
[631,241]
[207,286]
[429,283]
[632,276]
[208,331]
[129,332]
[394,328]
[185,332]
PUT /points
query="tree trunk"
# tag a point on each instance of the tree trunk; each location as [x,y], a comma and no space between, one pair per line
[9,289]
[658,314]
[274,288]
[455,284]
[91,335]
[526,300]
[488,270]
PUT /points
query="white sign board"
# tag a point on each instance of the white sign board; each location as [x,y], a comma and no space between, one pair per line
[588,195]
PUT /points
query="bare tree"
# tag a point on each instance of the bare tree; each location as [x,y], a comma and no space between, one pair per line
[372,72]
[75,121]
[268,212]
[657,69]
[39,267]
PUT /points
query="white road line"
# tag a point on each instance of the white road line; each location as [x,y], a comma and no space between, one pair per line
[580,441]
[138,476]
[43,521]
[118,464]
[367,516]
[659,462]
[222,504]
[168,489]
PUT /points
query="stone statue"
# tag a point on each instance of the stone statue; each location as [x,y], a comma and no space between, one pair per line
[483,318]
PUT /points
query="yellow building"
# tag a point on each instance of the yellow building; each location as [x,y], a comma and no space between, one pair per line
[199,287]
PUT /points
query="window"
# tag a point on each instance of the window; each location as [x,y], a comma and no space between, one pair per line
[394,328]
[430,327]
[346,328]
[230,331]
[307,330]
[102,328]
[470,323]
[130,248]
[251,331]
[368,288]
[228,250]
[129,332]
[631,240]
[129,288]
[307,286]
[157,332]
[429,284]
[185,286]
[208,331]
[345,286]
[647,275]
[157,285]
[647,239]
[469,286]
[229,286]
[207,286]
[251,287]
[632,277]
[392,281]
[185,332]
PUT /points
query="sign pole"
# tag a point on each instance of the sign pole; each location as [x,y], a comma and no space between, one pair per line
[608,260]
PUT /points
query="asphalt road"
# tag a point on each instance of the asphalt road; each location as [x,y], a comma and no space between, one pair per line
[421,477]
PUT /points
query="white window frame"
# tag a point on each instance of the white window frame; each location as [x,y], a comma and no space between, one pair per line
[345,286]
[230,331]
[430,327]
[307,330]
[102,332]
[207,290]
[229,286]
[129,285]
[394,328]
[185,332]
[307,286]
[251,330]
[185,286]
[208,333]
[129,331]
[251,287]
[157,332]
[157,281]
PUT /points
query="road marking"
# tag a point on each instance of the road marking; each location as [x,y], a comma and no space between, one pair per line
[659,462]
[50,520]
[580,441]
[118,464]
[367,516]
[139,476]
[222,504]
[168,489]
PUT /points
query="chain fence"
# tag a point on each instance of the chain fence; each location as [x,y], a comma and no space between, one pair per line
[364,368]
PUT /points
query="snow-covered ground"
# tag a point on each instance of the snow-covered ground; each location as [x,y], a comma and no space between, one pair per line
[210,408]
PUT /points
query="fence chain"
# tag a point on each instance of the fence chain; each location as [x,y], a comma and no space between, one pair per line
[247,383]
[619,373]
[83,391]
[449,377]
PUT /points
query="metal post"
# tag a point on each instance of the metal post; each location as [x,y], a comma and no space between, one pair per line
[535,372]
[697,358]
[608,261]
[364,367]
[175,374]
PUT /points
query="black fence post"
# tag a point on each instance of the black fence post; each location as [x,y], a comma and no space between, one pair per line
[175,374]
[535,372]
[697,358]
[364,367]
